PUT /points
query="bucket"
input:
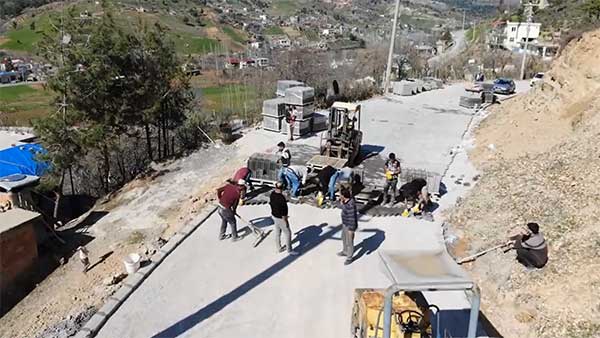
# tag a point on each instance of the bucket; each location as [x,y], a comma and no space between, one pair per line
[132,263]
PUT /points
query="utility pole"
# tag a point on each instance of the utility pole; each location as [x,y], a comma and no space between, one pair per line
[529,11]
[388,72]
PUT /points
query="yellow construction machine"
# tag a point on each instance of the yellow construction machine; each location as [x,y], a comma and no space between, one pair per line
[403,310]
[340,144]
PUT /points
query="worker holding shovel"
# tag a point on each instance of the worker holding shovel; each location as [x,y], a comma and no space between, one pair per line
[229,198]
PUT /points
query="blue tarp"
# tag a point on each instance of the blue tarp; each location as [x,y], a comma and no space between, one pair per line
[22,160]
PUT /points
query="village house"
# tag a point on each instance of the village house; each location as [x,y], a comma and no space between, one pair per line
[515,34]
[262,62]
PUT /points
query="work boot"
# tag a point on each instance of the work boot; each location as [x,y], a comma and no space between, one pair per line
[341,254]
[348,261]
[235,239]
[281,249]
[223,236]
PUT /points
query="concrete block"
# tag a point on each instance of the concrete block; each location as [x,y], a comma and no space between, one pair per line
[274,107]
[404,88]
[283,85]
[272,123]
[122,293]
[299,96]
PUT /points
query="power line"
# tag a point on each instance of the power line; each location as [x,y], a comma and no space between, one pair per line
[529,11]
[388,72]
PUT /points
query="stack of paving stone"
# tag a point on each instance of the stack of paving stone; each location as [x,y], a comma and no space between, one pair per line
[320,121]
[283,85]
[471,100]
[301,100]
[273,114]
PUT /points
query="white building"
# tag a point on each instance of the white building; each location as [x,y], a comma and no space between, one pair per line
[515,34]
[262,62]
[284,43]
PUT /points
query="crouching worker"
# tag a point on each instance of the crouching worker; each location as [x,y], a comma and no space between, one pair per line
[243,174]
[531,247]
[345,175]
[297,176]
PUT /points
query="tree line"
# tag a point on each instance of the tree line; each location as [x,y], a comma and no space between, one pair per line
[12,8]
[123,101]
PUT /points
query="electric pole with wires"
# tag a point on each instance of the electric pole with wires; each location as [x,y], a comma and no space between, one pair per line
[388,71]
[529,12]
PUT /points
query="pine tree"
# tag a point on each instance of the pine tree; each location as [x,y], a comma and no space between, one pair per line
[116,82]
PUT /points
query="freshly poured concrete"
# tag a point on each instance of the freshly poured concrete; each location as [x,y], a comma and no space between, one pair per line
[209,288]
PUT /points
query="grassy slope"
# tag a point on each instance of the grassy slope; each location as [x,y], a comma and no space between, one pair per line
[20,104]
[23,38]
[229,98]
[188,39]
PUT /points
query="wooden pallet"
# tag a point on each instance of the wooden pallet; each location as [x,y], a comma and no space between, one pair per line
[319,162]
[263,182]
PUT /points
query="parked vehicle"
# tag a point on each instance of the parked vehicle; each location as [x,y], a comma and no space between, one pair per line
[504,86]
[537,78]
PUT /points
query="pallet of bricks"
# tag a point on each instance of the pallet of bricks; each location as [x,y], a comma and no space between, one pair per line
[274,110]
[274,115]
[264,168]
[300,101]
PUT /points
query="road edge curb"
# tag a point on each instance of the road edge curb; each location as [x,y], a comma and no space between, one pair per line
[132,282]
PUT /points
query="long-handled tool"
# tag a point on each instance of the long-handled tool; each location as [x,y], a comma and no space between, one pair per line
[481,253]
[260,234]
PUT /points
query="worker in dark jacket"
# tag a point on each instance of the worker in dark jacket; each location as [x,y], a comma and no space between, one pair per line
[324,176]
[279,214]
[532,250]
[349,225]
[229,198]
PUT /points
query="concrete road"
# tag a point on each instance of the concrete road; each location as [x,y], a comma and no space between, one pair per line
[460,43]
[208,288]
[420,129]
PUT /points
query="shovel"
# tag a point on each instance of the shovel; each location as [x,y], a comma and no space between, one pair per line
[260,235]
[481,253]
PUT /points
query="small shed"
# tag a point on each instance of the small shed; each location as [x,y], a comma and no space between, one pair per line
[19,254]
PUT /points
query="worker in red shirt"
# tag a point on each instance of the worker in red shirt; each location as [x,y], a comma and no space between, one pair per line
[243,174]
[229,197]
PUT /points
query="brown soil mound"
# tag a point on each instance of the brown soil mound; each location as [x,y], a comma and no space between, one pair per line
[546,116]
[544,168]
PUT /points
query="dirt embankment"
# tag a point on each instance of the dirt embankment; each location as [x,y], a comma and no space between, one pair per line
[540,157]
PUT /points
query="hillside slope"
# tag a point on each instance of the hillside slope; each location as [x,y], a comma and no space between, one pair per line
[193,29]
[543,167]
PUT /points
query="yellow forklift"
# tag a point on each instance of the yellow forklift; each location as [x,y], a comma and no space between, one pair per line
[340,144]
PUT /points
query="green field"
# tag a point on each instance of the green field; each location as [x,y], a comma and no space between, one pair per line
[20,104]
[274,30]
[234,35]
[234,99]
[188,40]
[190,44]
[285,7]
[23,38]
